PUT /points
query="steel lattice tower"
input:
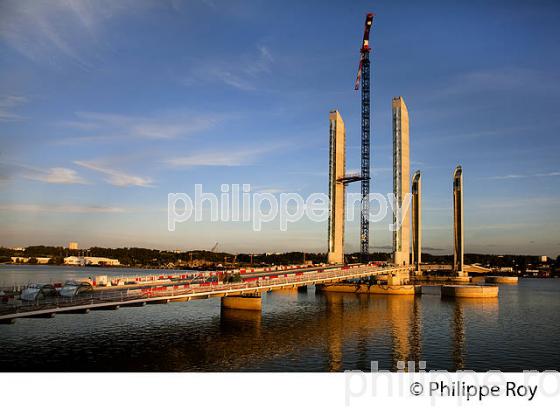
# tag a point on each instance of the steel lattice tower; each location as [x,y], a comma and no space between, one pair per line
[363,79]
[364,222]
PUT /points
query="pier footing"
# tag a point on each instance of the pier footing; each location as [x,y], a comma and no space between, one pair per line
[110,307]
[244,302]
[469,291]
[136,304]
[42,316]
[371,289]
[74,312]
[511,280]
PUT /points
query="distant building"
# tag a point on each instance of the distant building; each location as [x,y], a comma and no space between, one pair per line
[21,259]
[90,260]
[73,246]
[543,259]
[18,248]
[75,260]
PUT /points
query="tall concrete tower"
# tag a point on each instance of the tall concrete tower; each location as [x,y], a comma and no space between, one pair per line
[458,239]
[337,169]
[401,182]
[417,220]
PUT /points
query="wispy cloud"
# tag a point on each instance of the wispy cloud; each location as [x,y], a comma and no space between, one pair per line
[7,104]
[517,176]
[110,126]
[50,30]
[48,208]
[242,74]
[219,158]
[499,79]
[116,177]
[533,203]
[55,176]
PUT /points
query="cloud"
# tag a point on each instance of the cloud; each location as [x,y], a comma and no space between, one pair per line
[46,208]
[51,30]
[219,159]
[242,74]
[498,79]
[7,104]
[115,177]
[55,176]
[517,202]
[517,176]
[110,126]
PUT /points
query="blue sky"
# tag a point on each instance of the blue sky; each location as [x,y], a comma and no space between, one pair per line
[107,106]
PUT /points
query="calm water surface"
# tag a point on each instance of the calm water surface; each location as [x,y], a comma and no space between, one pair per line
[300,332]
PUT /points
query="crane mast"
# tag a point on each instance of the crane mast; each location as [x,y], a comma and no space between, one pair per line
[364,78]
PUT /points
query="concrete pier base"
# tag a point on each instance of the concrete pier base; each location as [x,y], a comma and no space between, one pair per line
[158,302]
[245,302]
[74,312]
[7,321]
[139,304]
[112,307]
[42,316]
[469,291]
[510,280]
[441,279]
[371,289]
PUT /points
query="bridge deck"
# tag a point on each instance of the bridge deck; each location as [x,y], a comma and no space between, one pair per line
[122,298]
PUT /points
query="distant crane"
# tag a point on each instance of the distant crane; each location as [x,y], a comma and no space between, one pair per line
[364,77]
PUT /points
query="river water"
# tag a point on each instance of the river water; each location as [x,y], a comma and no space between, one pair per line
[296,331]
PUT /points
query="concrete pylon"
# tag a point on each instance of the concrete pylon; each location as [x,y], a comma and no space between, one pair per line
[337,169]
[417,221]
[401,182]
[458,238]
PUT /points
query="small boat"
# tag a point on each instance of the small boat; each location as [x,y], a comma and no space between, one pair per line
[37,291]
[72,289]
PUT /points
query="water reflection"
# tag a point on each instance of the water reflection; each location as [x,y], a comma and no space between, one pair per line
[370,315]
[486,308]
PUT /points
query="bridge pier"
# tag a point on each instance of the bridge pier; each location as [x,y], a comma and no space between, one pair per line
[110,307]
[243,302]
[42,316]
[158,302]
[135,304]
[74,312]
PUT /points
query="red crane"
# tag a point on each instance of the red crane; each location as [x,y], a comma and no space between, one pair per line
[365,48]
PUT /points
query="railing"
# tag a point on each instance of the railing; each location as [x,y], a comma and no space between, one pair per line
[172,291]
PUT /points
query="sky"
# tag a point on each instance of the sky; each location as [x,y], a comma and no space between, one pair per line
[107,106]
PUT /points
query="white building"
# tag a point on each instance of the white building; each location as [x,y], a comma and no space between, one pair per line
[75,260]
[90,260]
